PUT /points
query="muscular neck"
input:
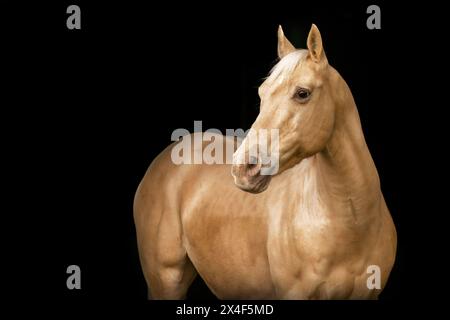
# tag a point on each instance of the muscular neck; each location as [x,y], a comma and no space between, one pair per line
[346,169]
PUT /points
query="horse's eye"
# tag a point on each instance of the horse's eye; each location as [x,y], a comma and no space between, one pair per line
[302,94]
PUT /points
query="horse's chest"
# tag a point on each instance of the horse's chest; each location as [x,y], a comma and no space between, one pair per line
[308,253]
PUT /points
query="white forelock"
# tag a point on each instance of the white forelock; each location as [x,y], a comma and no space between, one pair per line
[287,64]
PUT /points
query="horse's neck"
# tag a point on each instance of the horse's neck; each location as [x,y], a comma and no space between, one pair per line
[346,171]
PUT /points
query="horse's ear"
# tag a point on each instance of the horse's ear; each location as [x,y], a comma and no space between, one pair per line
[314,44]
[284,46]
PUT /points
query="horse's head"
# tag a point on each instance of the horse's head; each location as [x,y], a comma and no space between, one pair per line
[295,99]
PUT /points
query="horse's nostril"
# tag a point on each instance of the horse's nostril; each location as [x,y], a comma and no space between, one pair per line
[247,170]
[253,168]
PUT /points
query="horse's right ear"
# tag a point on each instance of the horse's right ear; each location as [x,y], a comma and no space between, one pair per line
[314,43]
[284,46]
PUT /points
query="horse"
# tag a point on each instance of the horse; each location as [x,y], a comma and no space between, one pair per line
[310,230]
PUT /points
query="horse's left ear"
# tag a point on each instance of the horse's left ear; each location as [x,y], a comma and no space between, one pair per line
[314,43]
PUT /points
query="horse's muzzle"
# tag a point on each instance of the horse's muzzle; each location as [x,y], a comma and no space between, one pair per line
[248,177]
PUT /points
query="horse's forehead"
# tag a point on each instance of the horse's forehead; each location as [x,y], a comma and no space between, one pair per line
[305,75]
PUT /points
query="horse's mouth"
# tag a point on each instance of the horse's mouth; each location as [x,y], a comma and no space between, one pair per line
[256,185]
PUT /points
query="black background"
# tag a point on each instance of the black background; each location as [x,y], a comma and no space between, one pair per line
[93,107]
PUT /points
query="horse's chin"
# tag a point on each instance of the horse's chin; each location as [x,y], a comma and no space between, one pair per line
[260,184]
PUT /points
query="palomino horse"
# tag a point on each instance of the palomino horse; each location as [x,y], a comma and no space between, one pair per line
[313,234]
